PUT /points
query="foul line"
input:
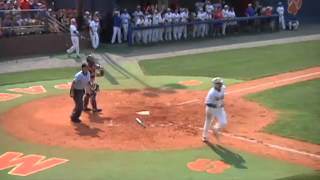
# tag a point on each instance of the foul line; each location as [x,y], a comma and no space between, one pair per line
[188,102]
[275,82]
[274,146]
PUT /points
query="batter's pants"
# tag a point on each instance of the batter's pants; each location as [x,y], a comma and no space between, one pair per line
[217,113]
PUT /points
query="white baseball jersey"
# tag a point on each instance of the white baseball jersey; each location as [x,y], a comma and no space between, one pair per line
[184,17]
[125,18]
[176,17]
[137,14]
[215,97]
[232,14]
[202,16]
[225,13]
[139,22]
[73,30]
[147,21]
[156,19]
[94,26]
[209,8]
[280,10]
[168,17]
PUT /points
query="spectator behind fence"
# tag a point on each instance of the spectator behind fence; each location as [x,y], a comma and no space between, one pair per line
[218,27]
[125,20]
[25,4]
[250,11]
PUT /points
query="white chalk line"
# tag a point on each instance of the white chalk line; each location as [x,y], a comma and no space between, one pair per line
[188,102]
[273,146]
[256,86]
[273,83]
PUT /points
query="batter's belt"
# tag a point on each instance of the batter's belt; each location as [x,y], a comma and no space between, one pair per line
[215,106]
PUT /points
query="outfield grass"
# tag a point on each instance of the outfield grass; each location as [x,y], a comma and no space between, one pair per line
[242,64]
[299,107]
[37,75]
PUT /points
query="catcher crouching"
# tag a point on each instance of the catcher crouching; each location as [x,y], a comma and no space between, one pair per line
[91,94]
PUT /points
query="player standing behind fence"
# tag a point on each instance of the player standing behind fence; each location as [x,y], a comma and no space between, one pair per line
[175,22]
[168,22]
[74,38]
[116,27]
[184,19]
[215,109]
[156,19]
[94,29]
[280,11]
[125,20]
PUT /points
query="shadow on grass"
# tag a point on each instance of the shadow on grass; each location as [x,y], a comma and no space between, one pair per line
[228,156]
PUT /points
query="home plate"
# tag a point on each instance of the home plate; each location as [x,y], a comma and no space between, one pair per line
[144,113]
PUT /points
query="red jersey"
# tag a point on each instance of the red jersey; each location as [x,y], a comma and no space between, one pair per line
[25,4]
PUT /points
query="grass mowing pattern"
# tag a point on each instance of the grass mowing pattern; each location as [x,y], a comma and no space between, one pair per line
[37,75]
[243,64]
[299,107]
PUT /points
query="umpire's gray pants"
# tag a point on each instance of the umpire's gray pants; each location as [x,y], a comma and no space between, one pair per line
[78,101]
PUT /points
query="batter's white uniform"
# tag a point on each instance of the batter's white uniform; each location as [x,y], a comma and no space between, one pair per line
[94,35]
[280,11]
[214,109]
[74,39]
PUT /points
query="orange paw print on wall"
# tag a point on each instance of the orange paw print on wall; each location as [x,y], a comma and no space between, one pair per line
[208,166]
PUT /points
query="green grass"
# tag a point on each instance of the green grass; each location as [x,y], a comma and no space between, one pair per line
[37,75]
[299,107]
[242,64]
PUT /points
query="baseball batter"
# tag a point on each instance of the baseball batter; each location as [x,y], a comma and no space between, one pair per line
[215,109]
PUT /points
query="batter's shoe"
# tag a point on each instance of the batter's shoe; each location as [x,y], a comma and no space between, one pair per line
[205,140]
[96,110]
[216,134]
[86,109]
[76,120]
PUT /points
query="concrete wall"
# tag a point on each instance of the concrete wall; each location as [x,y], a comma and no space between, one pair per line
[36,44]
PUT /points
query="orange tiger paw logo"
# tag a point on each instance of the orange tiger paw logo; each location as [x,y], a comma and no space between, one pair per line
[294,6]
[208,166]
[30,90]
[8,97]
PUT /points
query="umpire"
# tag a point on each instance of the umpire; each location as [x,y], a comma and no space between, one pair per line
[80,82]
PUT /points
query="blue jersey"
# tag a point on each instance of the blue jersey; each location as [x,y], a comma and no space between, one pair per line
[117,21]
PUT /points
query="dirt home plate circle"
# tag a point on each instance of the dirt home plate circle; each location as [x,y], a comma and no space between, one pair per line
[133,120]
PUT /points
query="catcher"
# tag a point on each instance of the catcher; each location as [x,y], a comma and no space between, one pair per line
[91,94]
